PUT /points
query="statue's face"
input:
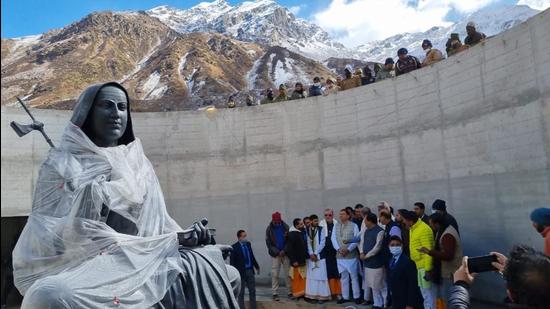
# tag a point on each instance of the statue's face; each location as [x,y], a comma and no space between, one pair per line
[109,116]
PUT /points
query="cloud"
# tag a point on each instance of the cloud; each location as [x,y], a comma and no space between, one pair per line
[361,21]
[295,9]
[536,4]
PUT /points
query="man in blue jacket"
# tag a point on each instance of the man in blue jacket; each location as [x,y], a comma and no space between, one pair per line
[242,258]
[402,278]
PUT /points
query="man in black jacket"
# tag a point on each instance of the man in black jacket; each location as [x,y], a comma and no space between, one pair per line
[402,278]
[275,239]
[296,250]
[242,258]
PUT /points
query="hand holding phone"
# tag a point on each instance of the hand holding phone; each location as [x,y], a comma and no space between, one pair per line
[480,264]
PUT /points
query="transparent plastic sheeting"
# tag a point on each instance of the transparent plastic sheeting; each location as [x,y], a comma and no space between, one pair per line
[66,244]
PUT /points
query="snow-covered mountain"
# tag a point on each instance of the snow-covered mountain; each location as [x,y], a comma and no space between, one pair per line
[490,20]
[261,21]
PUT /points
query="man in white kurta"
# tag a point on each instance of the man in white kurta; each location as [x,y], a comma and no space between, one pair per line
[317,287]
[347,256]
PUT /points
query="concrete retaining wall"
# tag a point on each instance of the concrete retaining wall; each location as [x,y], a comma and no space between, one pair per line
[473,130]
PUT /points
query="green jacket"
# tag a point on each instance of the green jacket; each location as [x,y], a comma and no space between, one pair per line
[383,74]
[266,101]
[280,98]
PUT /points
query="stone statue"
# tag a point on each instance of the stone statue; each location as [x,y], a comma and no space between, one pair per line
[99,235]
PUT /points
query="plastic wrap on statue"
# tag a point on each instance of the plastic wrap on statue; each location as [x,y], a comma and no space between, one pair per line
[99,235]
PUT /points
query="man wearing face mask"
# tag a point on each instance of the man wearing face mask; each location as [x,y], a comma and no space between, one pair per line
[402,278]
[433,55]
[268,97]
[316,88]
[242,258]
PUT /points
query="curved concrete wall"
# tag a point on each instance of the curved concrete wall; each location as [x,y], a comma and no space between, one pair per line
[473,130]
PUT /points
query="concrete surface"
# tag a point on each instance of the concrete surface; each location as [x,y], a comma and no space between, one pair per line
[473,130]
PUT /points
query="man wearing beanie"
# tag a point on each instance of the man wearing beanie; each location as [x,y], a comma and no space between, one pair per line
[433,55]
[441,207]
[541,222]
[387,71]
[406,63]
[275,239]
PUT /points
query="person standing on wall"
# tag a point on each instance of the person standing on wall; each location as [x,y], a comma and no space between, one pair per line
[242,258]
[275,239]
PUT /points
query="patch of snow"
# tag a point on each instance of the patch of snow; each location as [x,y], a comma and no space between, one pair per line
[252,75]
[287,72]
[25,41]
[191,80]
[157,93]
[181,66]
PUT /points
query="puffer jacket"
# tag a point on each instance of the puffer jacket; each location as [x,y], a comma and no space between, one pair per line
[421,235]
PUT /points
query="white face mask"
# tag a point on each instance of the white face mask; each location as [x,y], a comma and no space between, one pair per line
[316,84]
[395,251]
[242,241]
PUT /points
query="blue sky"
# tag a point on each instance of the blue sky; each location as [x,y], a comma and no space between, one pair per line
[27,17]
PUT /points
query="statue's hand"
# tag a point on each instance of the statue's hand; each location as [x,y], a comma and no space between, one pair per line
[195,235]
[226,250]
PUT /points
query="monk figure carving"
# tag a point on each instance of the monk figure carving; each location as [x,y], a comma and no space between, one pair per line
[99,234]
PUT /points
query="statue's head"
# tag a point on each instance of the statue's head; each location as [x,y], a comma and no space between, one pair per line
[103,114]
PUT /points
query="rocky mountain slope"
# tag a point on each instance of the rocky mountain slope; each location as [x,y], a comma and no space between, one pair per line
[261,21]
[161,68]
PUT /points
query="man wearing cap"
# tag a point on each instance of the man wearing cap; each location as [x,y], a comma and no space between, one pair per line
[387,71]
[421,239]
[406,63]
[454,45]
[474,36]
[351,80]
[275,239]
[441,207]
[330,87]
[282,94]
[433,55]
[541,222]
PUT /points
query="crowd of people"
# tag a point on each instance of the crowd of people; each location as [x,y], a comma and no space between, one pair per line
[363,76]
[381,257]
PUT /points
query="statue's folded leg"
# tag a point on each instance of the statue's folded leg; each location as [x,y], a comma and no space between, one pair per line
[184,293]
[49,293]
